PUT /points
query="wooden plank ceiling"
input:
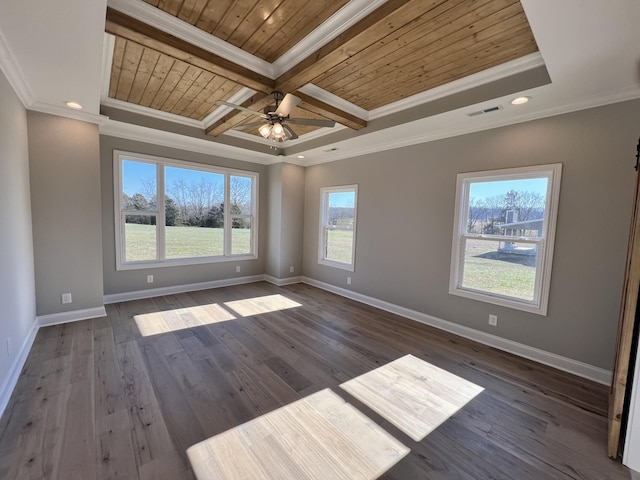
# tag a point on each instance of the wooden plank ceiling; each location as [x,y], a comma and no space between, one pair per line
[403,48]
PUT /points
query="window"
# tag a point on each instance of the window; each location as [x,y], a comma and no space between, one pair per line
[338,226]
[503,236]
[169,212]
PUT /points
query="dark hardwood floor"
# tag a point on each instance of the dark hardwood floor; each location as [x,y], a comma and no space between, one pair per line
[97,399]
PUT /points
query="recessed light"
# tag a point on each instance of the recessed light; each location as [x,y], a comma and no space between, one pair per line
[520,100]
[74,105]
[300,156]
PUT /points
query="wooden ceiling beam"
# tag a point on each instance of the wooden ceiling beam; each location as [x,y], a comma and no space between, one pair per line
[347,44]
[329,111]
[136,31]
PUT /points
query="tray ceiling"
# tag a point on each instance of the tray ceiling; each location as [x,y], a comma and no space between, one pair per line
[400,49]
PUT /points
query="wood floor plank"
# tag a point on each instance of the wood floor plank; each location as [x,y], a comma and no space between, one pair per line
[156,376]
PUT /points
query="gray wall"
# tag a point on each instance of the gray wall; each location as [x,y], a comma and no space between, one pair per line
[136,280]
[405,224]
[274,219]
[65,203]
[17,284]
[286,220]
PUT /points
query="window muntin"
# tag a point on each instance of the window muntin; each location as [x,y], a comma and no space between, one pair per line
[338,226]
[193,201]
[503,236]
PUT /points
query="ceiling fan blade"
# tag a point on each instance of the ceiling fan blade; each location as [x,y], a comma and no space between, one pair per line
[247,126]
[314,122]
[240,107]
[290,133]
[288,103]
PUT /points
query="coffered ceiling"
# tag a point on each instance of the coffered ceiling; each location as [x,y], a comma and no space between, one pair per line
[389,72]
[400,49]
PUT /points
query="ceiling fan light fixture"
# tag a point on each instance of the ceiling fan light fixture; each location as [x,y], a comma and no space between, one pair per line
[265,130]
[278,130]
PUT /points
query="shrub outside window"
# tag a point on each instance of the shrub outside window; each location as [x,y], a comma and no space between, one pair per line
[337,243]
[503,236]
[169,212]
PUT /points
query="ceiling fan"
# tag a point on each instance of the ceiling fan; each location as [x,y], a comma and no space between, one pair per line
[275,118]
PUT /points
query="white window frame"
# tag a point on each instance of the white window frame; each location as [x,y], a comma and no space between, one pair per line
[160,261]
[545,242]
[324,227]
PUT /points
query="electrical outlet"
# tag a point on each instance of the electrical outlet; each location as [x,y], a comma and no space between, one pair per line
[348,280]
[9,346]
[237,268]
[291,269]
[149,278]
[493,320]
[66,298]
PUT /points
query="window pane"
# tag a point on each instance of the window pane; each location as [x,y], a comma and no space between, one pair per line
[139,185]
[183,241]
[507,207]
[504,268]
[140,238]
[339,244]
[241,236]
[196,195]
[240,194]
[341,209]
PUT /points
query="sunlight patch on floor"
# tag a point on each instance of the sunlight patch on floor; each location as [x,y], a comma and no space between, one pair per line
[257,305]
[156,323]
[181,318]
[318,437]
[412,394]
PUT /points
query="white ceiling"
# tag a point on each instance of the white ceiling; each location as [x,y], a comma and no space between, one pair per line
[52,52]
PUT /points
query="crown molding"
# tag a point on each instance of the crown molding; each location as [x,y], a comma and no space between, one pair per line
[369,144]
[349,15]
[11,68]
[67,112]
[519,65]
[152,112]
[163,138]
[185,31]
[108,46]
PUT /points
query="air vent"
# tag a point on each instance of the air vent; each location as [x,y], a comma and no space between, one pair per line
[331,150]
[486,110]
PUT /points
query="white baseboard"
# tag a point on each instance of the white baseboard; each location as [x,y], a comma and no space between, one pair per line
[72,316]
[190,287]
[575,367]
[14,373]
[282,281]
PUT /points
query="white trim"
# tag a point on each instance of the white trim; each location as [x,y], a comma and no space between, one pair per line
[166,22]
[10,381]
[138,133]
[349,15]
[373,143]
[72,316]
[280,282]
[569,365]
[630,456]
[151,112]
[108,46]
[191,287]
[513,67]
[11,68]
[62,111]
